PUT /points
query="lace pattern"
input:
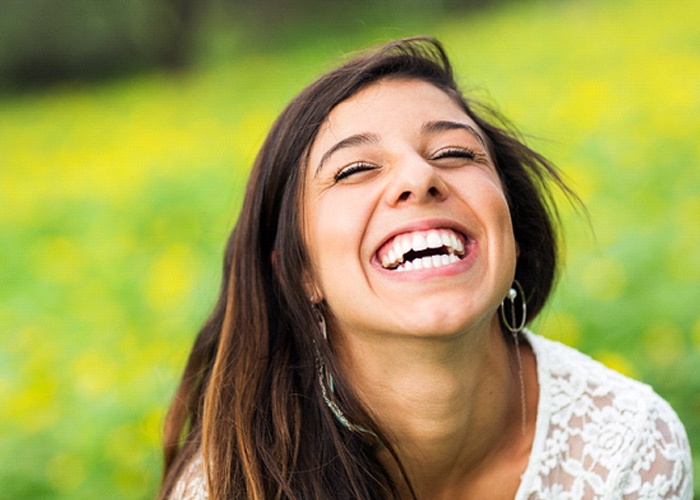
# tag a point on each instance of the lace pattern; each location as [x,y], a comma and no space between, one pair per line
[599,436]
[192,484]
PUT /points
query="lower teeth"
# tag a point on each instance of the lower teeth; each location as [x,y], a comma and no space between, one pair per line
[428,262]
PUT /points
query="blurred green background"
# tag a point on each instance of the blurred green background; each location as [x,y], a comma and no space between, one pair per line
[126,137]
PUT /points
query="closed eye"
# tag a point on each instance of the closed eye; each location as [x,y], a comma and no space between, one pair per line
[467,153]
[355,168]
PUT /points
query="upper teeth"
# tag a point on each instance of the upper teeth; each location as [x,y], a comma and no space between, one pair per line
[422,240]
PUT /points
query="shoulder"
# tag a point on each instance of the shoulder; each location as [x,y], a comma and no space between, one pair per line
[604,432]
[192,483]
[569,377]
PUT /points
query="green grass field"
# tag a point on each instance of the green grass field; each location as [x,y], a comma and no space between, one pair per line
[116,199]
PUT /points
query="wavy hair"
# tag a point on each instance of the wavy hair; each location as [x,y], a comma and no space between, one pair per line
[249,398]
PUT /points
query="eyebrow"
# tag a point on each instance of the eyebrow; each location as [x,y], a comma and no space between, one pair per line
[353,140]
[369,138]
[446,125]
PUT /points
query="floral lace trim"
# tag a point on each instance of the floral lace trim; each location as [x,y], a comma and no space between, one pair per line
[601,435]
[192,484]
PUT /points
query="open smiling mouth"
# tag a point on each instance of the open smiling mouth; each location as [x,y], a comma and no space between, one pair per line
[422,250]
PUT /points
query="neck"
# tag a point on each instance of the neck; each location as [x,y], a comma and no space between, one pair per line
[449,406]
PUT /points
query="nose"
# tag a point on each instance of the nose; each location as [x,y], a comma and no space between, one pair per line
[415,181]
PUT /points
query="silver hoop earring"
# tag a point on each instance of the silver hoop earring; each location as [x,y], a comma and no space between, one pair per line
[515,332]
[512,295]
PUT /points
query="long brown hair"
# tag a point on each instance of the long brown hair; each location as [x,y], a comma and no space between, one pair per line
[249,398]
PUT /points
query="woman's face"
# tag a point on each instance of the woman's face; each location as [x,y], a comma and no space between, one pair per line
[405,217]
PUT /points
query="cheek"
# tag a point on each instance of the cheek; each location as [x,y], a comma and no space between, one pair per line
[334,235]
[510,250]
[505,223]
[495,201]
[492,206]
[481,191]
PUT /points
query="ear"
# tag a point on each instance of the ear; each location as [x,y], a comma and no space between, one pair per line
[312,291]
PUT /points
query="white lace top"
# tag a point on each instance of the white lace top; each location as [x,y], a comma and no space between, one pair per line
[599,436]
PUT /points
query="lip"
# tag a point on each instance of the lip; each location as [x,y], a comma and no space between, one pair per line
[425,225]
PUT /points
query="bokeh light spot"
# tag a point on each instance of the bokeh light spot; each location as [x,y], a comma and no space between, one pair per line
[94,372]
[696,335]
[171,278]
[617,362]
[663,344]
[562,327]
[66,472]
[604,278]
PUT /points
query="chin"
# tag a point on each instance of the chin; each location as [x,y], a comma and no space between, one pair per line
[446,324]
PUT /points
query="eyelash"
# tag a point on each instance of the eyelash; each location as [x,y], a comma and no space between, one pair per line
[352,169]
[465,152]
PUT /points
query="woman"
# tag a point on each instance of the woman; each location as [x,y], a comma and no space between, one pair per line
[369,338]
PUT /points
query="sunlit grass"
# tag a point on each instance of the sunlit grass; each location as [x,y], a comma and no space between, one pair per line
[117,199]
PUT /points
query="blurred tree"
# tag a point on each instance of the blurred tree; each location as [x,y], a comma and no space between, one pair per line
[42,41]
[274,24]
[183,16]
